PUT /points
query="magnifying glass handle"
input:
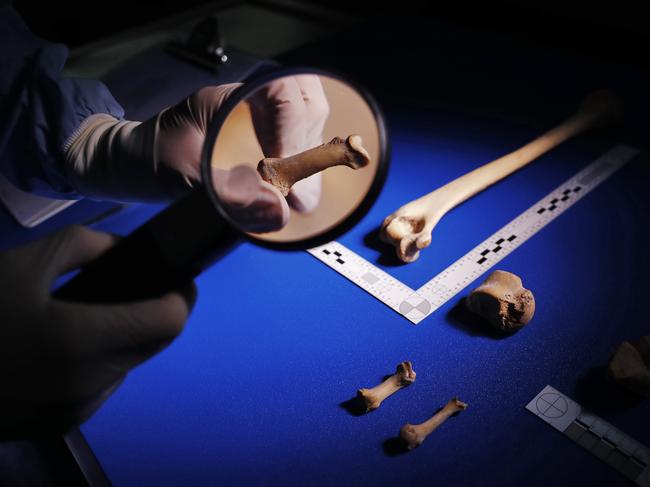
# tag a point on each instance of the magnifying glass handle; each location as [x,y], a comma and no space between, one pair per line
[163,254]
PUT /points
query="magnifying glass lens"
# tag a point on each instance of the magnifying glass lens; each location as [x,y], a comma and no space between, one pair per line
[295,158]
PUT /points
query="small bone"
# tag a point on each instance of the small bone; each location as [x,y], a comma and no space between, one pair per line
[629,367]
[403,376]
[503,301]
[285,172]
[414,435]
[409,228]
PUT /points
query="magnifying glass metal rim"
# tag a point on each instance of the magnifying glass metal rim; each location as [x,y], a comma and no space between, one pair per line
[241,94]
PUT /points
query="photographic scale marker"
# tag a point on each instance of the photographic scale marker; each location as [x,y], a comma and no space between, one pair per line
[416,305]
[594,434]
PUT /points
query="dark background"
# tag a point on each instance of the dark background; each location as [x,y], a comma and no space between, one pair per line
[614,30]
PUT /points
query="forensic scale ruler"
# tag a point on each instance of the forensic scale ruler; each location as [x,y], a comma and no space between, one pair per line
[628,456]
[415,305]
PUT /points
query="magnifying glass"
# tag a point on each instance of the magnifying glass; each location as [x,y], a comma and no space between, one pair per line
[278,178]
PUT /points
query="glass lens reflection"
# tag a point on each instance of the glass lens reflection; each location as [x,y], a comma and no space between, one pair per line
[296,157]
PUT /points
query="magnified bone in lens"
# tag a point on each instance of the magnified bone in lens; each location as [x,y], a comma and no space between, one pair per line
[285,172]
[277,134]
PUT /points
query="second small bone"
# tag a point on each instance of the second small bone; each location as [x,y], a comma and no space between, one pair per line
[413,435]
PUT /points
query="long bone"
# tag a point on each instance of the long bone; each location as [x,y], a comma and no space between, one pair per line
[414,435]
[372,398]
[409,228]
[285,172]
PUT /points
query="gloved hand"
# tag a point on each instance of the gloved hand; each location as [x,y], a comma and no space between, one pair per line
[160,158]
[289,116]
[60,360]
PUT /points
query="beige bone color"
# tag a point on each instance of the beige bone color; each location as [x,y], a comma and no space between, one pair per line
[503,301]
[414,435]
[372,398]
[409,228]
[285,172]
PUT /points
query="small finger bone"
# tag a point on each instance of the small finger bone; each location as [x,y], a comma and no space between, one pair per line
[285,172]
[413,435]
[372,398]
[503,301]
[629,367]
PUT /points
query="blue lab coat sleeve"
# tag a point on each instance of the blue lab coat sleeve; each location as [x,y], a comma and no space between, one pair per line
[40,109]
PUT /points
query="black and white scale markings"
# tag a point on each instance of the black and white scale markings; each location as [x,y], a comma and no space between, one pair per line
[594,434]
[415,305]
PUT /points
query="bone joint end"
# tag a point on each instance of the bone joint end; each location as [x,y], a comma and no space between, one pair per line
[403,377]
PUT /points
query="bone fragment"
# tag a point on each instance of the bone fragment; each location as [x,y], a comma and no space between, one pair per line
[503,301]
[414,435]
[629,367]
[409,228]
[285,172]
[372,398]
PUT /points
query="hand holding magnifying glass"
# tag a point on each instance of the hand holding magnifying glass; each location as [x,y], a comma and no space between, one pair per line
[160,158]
[256,149]
[288,116]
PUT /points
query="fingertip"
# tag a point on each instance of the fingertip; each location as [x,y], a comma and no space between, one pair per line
[284,214]
[75,246]
[239,186]
[276,214]
[89,238]
[189,292]
[173,310]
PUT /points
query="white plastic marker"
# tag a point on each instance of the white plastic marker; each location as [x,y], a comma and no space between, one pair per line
[417,305]
[594,434]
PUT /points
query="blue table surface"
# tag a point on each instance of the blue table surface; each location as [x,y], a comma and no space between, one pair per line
[252,392]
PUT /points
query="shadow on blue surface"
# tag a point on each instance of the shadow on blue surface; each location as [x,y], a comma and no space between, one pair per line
[386,254]
[462,319]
